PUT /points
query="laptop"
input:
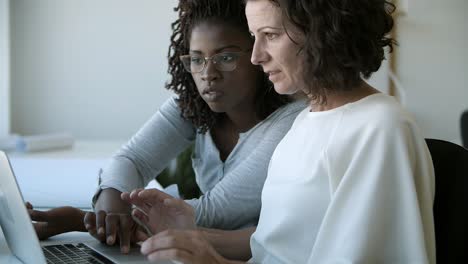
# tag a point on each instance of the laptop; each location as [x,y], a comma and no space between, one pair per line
[22,240]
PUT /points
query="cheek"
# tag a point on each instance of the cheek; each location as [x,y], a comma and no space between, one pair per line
[197,79]
[293,65]
[245,72]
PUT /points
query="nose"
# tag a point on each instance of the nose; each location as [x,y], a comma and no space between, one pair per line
[210,73]
[259,56]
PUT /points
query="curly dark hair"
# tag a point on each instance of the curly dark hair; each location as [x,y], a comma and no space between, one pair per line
[344,40]
[194,108]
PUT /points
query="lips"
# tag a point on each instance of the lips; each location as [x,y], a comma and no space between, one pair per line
[212,94]
[273,75]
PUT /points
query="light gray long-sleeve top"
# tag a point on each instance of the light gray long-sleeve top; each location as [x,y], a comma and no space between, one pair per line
[231,189]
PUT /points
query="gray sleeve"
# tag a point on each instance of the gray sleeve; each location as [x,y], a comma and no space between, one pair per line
[150,150]
[235,201]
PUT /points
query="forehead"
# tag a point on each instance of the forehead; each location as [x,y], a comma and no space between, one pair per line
[208,36]
[263,13]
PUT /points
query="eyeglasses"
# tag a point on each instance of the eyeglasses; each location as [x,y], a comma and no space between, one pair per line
[225,61]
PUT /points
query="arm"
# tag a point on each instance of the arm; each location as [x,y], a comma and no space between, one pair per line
[230,244]
[235,201]
[138,162]
[150,150]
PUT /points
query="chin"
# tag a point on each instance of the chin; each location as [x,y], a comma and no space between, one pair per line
[216,108]
[285,89]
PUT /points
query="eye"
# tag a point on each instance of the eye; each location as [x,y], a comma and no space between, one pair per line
[196,60]
[226,58]
[270,36]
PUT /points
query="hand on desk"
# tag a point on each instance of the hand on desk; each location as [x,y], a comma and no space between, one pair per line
[56,221]
[112,222]
[186,246]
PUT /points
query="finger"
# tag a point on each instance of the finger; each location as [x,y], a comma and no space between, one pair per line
[125,196]
[38,216]
[135,193]
[44,230]
[101,226]
[125,229]
[140,235]
[153,195]
[29,206]
[178,204]
[140,215]
[41,230]
[171,254]
[169,239]
[138,202]
[112,226]
[143,222]
[89,221]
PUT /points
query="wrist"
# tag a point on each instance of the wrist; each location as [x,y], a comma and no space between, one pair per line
[79,225]
[109,201]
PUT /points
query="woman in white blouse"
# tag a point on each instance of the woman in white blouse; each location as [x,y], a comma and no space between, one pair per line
[352,181]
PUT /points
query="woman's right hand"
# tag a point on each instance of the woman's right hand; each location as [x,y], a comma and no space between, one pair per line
[159,211]
[112,221]
[186,246]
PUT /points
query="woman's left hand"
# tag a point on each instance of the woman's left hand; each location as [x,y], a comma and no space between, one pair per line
[56,221]
[186,246]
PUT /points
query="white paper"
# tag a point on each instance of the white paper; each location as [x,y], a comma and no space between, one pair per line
[8,143]
[44,142]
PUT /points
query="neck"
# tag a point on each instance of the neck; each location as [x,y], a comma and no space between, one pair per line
[243,119]
[339,98]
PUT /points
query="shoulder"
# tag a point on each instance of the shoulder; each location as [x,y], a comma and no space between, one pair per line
[170,104]
[288,111]
[378,121]
[277,124]
[377,112]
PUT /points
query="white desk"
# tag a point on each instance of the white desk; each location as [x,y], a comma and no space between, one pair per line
[62,177]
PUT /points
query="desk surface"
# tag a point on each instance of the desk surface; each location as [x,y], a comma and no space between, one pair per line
[66,177]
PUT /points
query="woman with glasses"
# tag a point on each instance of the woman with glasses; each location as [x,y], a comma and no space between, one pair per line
[352,181]
[224,105]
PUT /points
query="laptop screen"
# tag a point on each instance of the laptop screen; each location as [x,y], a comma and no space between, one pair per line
[14,218]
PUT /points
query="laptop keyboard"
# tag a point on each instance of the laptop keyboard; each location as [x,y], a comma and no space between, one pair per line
[73,253]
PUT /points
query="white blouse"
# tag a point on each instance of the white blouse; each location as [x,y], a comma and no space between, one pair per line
[351,185]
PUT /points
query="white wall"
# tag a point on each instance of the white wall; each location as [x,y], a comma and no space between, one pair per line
[4,68]
[432,63]
[95,68]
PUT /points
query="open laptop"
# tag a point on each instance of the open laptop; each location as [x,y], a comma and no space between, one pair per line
[23,242]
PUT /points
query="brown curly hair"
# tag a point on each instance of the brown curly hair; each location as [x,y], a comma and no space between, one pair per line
[193,107]
[344,40]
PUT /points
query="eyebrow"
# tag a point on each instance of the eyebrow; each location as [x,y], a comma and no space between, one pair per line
[268,27]
[219,49]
